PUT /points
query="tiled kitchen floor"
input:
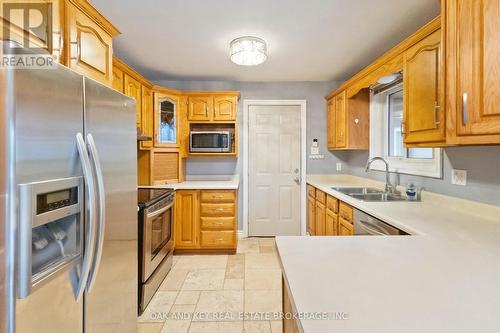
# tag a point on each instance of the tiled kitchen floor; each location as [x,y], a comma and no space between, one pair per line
[208,293]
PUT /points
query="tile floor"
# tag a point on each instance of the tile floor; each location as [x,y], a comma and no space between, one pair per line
[209,293]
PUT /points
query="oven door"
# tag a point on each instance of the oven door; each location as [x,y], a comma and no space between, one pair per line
[158,236]
[210,142]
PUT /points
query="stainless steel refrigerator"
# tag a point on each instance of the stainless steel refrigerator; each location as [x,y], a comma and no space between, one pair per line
[68,204]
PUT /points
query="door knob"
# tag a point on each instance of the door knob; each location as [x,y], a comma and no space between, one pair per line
[297,180]
[296,170]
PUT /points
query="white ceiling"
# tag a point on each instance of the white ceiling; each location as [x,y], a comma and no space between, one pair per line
[308,40]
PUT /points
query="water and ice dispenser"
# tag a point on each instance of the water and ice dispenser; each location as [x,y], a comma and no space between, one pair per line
[50,229]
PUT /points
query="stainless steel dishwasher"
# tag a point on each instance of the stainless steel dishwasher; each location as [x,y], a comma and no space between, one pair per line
[365,224]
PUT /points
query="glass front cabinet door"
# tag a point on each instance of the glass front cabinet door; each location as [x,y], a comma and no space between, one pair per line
[166,120]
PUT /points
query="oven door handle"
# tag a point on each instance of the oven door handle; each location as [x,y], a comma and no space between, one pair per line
[158,212]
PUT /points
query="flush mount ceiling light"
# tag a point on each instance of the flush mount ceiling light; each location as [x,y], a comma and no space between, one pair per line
[389,78]
[248,51]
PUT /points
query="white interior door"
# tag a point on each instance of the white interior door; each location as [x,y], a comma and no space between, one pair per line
[274,165]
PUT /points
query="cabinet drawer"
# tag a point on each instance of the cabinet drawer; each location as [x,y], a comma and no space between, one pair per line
[345,211]
[218,196]
[210,209]
[311,191]
[332,204]
[321,196]
[217,223]
[345,228]
[218,239]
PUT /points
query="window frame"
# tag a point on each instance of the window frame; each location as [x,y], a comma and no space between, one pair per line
[379,142]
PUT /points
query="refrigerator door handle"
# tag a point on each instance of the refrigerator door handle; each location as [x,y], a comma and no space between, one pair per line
[90,230]
[102,211]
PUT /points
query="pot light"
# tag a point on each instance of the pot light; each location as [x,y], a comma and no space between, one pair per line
[248,51]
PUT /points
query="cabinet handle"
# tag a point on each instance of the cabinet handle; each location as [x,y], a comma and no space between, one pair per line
[436,115]
[217,197]
[218,209]
[465,109]
[403,128]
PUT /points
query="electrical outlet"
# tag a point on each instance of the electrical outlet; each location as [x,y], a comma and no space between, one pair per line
[339,166]
[459,177]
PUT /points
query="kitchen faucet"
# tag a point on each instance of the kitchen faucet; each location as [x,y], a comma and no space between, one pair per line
[389,188]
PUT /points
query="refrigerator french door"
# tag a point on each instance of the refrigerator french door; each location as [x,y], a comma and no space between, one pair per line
[71,203]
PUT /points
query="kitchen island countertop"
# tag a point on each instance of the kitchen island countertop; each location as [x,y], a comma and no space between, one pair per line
[443,278]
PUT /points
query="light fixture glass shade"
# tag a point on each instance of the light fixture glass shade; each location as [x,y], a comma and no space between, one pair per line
[389,78]
[248,51]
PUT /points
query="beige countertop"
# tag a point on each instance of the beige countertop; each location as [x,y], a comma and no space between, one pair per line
[443,278]
[205,183]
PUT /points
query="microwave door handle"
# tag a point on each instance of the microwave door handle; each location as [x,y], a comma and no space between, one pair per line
[88,255]
[102,211]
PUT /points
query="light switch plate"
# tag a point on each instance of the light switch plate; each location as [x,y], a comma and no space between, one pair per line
[459,177]
[339,166]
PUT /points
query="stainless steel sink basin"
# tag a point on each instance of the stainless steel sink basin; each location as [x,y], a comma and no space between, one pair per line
[377,197]
[357,190]
[368,194]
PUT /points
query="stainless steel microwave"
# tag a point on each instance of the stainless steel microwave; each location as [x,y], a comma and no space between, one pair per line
[210,142]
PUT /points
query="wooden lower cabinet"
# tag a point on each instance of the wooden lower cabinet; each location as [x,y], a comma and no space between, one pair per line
[345,227]
[290,325]
[331,221]
[186,219]
[205,220]
[311,215]
[320,216]
[327,216]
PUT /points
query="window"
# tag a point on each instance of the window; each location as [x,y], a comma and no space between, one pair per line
[386,138]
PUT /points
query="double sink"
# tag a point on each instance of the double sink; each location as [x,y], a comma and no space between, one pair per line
[369,194]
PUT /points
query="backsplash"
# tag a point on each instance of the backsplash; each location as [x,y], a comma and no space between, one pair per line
[482,165]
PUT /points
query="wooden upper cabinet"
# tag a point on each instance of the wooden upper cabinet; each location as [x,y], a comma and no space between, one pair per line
[348,121]
[225,108]
[90,45]
[166,120]
[340,120]
[424,113]
[118,77]
[133,89]
[473,66]
[147,116]
[330,123]
[200,108]
[186,219]
[13,26]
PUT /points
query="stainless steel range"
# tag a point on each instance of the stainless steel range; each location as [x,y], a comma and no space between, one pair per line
[156,240]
